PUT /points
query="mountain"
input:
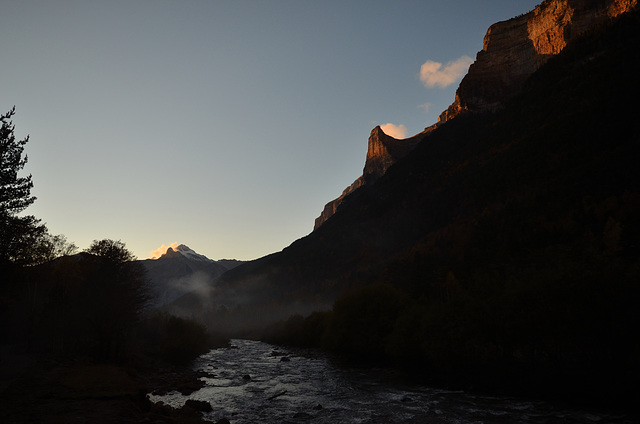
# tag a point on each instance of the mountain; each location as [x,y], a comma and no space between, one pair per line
[382,152]
[501,251]
[547,181]
[182,271]
[512,51]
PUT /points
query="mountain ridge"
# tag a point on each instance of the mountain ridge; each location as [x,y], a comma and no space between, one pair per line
[182,270]
[383,151]
[512,51]
[432,211]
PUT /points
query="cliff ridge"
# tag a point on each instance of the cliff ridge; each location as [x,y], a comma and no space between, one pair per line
[382,152]
[514,49]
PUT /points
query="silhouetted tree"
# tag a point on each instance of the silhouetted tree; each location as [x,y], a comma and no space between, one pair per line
[111,250]
[48,247]
[18,233]
[362,321]
[117,295]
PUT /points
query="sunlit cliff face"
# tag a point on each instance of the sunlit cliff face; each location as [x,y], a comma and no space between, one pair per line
[162,250]
[546,27]
[514,49]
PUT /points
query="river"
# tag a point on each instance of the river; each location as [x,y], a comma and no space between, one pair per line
[255,382]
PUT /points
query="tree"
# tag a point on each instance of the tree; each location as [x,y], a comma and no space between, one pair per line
[15,192]
[18,233]
[56,246]
[117,293]
[111,250]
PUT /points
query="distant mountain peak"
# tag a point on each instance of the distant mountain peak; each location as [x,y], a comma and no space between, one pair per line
[170,253]
[183,248]
[185,251]
[181,270]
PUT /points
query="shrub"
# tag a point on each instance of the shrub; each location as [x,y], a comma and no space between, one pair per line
[175,340]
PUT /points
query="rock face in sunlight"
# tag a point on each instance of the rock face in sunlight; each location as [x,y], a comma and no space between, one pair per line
[182,271]
[512,51]
[383,151]
[516,48]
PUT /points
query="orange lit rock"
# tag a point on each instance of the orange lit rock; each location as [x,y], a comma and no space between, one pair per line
[516,48]
[512,51]
[383,151]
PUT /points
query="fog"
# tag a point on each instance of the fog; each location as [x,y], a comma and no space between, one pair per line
[243,308]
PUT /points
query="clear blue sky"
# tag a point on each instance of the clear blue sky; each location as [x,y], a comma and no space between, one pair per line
[223,125]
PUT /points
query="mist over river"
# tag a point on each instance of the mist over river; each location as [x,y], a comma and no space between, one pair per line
[255,382]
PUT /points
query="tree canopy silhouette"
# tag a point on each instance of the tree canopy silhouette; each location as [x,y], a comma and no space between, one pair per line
[16,191]
[25,240]
[19,234]
[116,295]
[112,250]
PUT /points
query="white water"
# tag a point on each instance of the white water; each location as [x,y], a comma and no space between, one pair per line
[303,389]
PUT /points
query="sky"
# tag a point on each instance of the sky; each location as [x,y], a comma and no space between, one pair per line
[222,125]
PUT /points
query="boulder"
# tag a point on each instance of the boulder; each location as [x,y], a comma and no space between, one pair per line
[198,405]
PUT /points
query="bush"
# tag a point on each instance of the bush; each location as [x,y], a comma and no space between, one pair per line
[363,321]
[175,340]
[300,331]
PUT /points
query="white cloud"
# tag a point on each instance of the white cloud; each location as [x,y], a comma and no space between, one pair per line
[435,74]
[425,106]
[162,250]
[395,131]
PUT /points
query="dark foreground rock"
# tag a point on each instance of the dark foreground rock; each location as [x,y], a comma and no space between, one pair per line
[76,392]
[198,405]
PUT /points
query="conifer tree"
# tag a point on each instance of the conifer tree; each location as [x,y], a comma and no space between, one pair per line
[18,234]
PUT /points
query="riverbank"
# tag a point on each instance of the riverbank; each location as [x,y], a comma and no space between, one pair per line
[38,389]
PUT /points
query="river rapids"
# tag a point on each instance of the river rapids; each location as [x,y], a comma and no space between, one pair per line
[255,382]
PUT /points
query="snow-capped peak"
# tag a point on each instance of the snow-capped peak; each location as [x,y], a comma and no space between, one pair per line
[191,254]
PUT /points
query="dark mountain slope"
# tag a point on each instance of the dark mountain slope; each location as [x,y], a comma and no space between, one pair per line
[485,192]
[181,271]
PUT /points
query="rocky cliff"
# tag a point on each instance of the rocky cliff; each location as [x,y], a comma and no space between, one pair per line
[383,151]
[331,207]
[514,49]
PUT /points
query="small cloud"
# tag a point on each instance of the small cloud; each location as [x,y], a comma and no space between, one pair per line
[435,74]
[162,250]
[425,106]
[395,131]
